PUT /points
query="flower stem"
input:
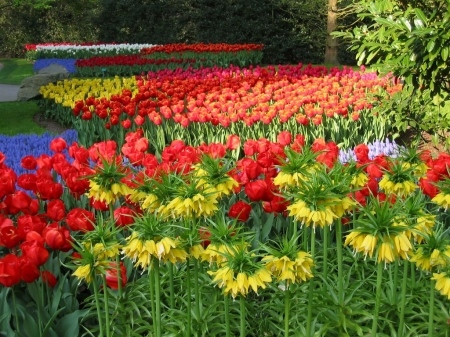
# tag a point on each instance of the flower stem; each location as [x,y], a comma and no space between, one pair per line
[394,287]
[311,287]
[40,299]
[158,300]
[105,297]
[152,296]
[377,300]
[403,301]
[196,289]
[326,233]
[431,315]
[340,280]
[171,287]
[242,312]
[286,310]
[189,297]
[226,301]
[16,317]
[97,304]
[413,275]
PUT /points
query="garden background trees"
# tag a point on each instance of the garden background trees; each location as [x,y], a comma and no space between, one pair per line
[411,40]
[292,31]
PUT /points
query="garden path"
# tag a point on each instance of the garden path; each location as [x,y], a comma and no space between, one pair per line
[8,93]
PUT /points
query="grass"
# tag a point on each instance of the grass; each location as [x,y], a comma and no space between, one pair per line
[17,118]
[15,70]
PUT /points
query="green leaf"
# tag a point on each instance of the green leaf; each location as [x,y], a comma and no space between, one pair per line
[267,227]
[420,15]
[431,45]
[444,53]
[68,325]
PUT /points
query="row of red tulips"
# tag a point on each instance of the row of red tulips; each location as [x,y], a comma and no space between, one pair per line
[335,105]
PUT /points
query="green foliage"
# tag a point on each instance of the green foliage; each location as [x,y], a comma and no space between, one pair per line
[411,41]
[14,71]
[291,32]
[17,118]
[26,22]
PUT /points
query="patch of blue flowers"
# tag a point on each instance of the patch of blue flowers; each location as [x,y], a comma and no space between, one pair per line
[69,64]
[386,147]
[19,146]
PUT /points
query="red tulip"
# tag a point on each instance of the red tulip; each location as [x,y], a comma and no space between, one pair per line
[29,271]
[49,278]
[258,191]
[233,142]
[205,236]
[35,251]
[284,138]
[20,200]
[240,210]
[58,145]
[9,236]
[28,163]
[56,210]
[362,153]
[55,238]
[124,216]
[35,236]
[79,219]
[9,270]
[112,276]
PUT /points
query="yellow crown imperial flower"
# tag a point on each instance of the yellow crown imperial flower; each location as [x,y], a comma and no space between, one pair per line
[442,200]
[84,272]
[442,283]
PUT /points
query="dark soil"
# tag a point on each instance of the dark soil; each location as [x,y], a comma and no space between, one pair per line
[425,141]
[48,124]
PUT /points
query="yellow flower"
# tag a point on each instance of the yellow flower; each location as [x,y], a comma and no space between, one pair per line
[84,272]
[386,253]
[427,262]
[402,245]
[302,213]
[286,179]
[342,206]
[362,242]
[423,227]
[241,282]
[134,247]
[103,253]
[285,269]
[176,255]
[402,189]
[151,202]
[214,253]
[164,246]
[442,283]
[359,180]
[196,251]
[442,200]
[198,205]
[100,193]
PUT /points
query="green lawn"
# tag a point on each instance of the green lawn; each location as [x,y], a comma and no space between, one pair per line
[15,70]
[17,118]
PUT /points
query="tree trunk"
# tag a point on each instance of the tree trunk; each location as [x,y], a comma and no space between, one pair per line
[331,49]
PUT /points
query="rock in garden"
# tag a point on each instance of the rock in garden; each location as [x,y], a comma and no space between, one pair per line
[31,85]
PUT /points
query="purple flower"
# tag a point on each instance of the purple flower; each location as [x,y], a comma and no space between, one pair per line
[69,64]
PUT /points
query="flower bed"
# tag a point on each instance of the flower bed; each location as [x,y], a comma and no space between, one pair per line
[85,50]
[209,104]
[187,231]
[69,64]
